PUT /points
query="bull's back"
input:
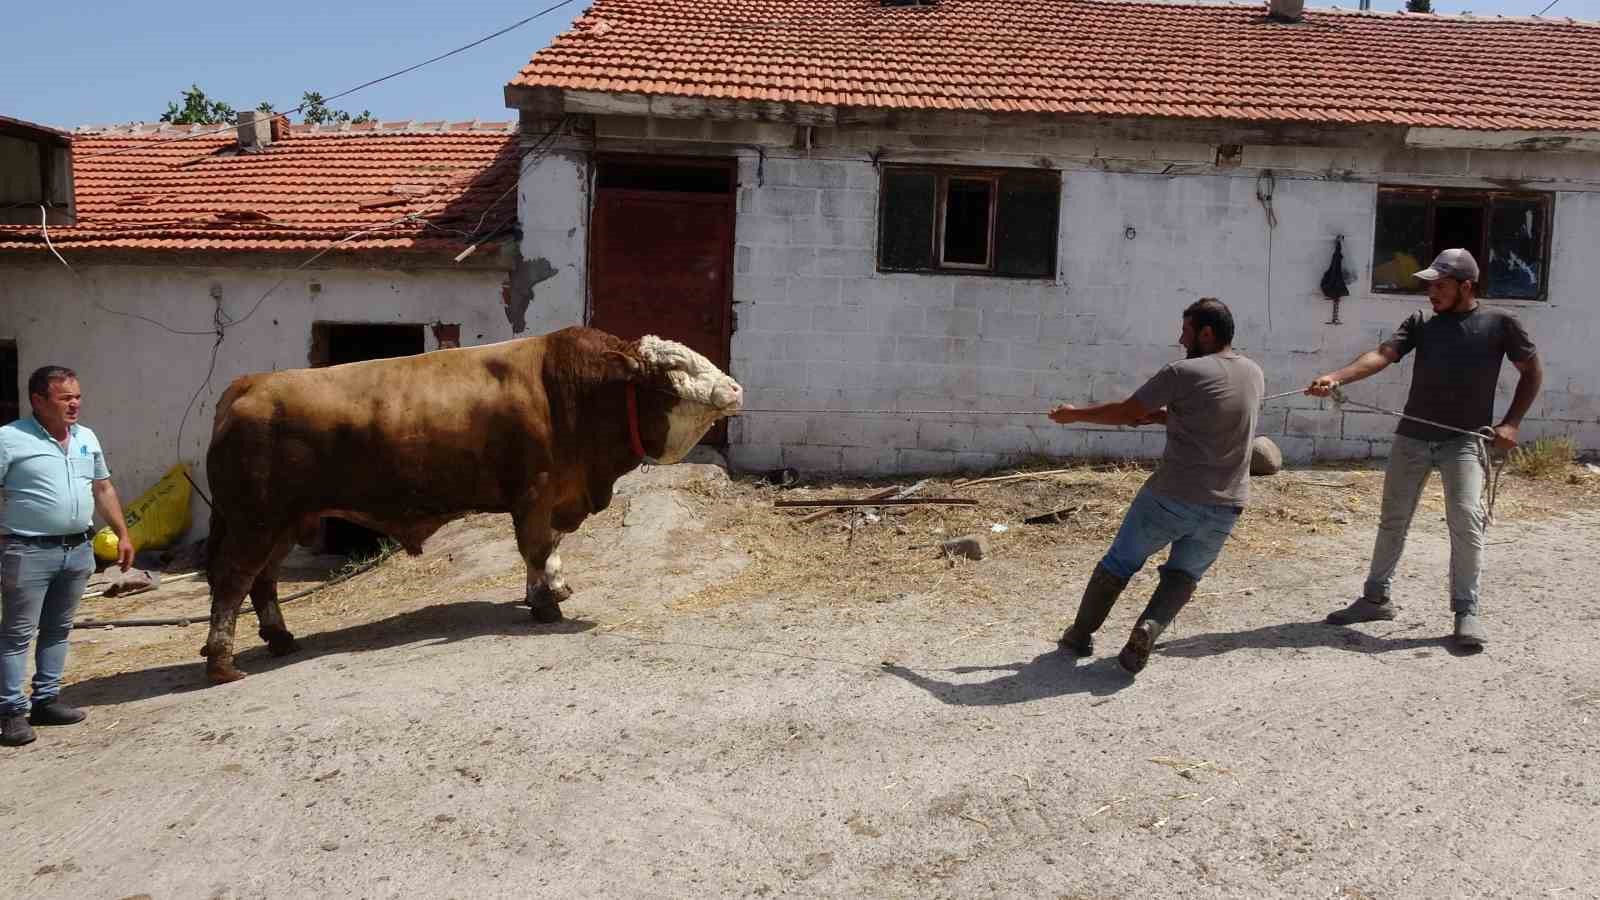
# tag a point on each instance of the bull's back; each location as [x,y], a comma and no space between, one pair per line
[425,430]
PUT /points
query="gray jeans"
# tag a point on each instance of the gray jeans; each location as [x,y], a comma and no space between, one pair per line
[1460,465]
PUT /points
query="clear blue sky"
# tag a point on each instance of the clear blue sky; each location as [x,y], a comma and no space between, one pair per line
[68,64]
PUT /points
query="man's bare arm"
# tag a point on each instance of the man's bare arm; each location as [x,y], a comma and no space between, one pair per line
[1126,412]
[109,506]
[1365,366]
[1527,390]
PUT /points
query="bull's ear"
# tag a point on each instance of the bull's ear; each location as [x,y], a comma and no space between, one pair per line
[622,367]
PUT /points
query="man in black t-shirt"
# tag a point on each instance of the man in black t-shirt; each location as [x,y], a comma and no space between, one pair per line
[1459,351]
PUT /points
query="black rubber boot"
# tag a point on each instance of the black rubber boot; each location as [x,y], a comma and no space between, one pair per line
[54,712]
[1098,597]
[15,731]
[1171,595]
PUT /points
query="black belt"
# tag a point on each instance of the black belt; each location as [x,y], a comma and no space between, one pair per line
[52,540]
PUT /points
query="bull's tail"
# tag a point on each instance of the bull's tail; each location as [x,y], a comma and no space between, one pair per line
[238,388]
[214,546]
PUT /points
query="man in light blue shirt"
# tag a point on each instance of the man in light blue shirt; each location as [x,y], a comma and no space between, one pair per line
[54,476]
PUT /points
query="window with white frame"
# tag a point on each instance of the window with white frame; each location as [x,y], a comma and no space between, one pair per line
[969,221]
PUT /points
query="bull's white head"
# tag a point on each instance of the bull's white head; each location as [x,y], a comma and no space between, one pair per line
[705,393]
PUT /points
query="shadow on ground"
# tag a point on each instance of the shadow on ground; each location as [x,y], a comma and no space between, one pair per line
[1306,635]
[1052,674]
[441,623]
[1057,673]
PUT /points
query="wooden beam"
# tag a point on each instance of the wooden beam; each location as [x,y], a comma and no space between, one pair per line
[869,501]
[1524,141]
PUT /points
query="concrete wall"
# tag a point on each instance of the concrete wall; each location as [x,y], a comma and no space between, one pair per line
[22,185]
[138,378]
[820,328]
[551,284]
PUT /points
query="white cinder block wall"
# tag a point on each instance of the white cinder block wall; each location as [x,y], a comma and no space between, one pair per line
[139,378]
[1146,228]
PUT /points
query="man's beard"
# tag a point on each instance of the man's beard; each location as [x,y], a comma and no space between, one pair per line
[1196,351]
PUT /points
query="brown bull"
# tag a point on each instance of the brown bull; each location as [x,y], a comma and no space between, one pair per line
[540,427]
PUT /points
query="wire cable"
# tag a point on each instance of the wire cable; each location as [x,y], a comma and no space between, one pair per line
[362,86]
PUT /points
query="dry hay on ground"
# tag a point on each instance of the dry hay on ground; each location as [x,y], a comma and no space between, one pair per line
[848,559]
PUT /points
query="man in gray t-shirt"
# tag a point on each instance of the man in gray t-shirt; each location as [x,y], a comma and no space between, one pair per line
[1209,403]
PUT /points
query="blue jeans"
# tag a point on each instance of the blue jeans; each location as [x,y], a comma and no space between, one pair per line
[1196,532]
[40,588]
[1460,463]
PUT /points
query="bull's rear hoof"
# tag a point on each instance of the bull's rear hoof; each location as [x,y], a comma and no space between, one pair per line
[546,611]
[222,673]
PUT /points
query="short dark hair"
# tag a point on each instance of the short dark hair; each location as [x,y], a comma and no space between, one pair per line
[1213,312]
[41,379]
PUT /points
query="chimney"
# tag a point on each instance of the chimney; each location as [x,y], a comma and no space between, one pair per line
[1285,10]
[255,131]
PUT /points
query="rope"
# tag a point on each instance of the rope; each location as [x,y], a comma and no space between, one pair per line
[902,412]
[365,567]
[1494,464]
[942,412]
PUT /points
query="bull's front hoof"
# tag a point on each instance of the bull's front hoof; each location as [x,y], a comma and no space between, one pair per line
[545,610]
[280,643]
[222,672]
[283,647]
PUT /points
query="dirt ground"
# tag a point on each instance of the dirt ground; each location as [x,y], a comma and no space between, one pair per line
[740,705]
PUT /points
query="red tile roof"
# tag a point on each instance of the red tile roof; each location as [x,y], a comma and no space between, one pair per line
[138,189]
[1090,57]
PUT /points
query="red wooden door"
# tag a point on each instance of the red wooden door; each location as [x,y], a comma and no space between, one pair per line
[661,262]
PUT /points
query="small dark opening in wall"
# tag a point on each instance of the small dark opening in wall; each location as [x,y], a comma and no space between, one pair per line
[10,383]
[337,343]
[712,177]
[1459,225]
[968,216]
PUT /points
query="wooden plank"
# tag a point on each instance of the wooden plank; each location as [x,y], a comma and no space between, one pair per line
[884,494]
[543,101]
[867,501]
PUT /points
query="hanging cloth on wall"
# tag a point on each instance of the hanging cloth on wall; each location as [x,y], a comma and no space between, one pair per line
[1333,283]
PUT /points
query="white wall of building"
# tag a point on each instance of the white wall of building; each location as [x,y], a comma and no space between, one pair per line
[138,378]
[819,328]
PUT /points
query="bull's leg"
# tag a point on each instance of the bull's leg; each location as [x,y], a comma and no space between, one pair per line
[538,542]
[232,569]
[549,575]
[264,595]
[227,595]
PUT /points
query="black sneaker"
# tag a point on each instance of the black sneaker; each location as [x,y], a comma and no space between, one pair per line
[1363,610]
[55,712]
[15,731]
